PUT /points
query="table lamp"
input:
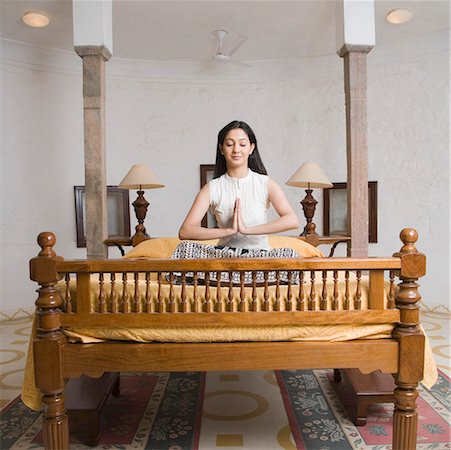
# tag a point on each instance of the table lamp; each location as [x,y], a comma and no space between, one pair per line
[309,175]
[140,177]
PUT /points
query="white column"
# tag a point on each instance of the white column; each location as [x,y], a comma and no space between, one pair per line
[355,38]
[92,21]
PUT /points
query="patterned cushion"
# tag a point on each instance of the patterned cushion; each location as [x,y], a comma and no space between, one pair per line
[197,250]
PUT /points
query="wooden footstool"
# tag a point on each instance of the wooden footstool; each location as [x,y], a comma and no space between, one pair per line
[84,401]
[366,389]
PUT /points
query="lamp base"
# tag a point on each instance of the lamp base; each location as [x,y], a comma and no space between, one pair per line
[137,238]
[308,206]
[140,205]
[304,234]
[309,230]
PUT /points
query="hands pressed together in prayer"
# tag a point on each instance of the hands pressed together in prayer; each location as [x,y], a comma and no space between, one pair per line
[238,223]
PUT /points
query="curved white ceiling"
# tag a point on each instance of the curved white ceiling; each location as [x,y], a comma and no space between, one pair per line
[181,30]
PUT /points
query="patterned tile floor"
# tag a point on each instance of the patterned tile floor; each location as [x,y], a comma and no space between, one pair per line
[255,396]
[14,337]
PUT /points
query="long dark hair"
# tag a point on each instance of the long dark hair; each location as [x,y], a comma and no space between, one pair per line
[255,162]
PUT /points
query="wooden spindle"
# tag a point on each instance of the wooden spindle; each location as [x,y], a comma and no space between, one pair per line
[219,305]
[265,291]
[102,303]
[124,299]
[276,306]
[208,307]
[242,305]
[230,293]
[148,294]
[197,305]
[183,302]
[113,294]
[254,291]
[335,294]
[346,300]
[67,294]
[289,302]
[391,291]
[312,296]
[160,300]
[301,298]
[136,302]
[358,291]
[323,303]
[171,304]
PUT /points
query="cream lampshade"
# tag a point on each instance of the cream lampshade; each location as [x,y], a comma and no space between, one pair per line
[140,177]
[309,175]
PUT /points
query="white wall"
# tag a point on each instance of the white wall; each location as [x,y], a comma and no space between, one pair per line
[170,120]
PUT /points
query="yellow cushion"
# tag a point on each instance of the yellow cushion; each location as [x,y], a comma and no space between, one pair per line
[163,247]
[303,248]
[154,248]
[159,247]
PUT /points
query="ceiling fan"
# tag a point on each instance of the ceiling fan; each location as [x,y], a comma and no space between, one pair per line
[221,56]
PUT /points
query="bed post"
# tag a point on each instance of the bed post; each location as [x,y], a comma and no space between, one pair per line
[411,343]
[47,344]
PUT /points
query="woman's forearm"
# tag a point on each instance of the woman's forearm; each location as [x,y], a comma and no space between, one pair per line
[284,223]
[204,234]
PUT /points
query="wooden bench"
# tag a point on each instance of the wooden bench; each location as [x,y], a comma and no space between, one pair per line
[85,399]
[364,390]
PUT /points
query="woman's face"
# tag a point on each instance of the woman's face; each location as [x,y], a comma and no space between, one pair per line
[236,148]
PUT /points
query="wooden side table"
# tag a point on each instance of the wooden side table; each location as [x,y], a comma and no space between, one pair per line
[119,241]
[316,240]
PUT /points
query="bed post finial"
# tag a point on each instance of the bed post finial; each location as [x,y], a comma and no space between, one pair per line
[413,263]
[47,343]
[46,241]
[408,237]
[411,342]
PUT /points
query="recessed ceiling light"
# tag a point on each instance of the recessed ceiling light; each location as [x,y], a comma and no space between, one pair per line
[35,19]
[398,16]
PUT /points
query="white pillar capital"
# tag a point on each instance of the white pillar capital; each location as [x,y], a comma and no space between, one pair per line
[355,24]
[92,50]
[93,23]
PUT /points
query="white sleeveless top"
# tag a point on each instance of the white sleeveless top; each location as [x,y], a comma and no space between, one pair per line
[254,198]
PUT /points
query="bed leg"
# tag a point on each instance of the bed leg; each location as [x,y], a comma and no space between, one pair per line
[48,365]
[48,344]
[405,418]
[55,428]
[411,343]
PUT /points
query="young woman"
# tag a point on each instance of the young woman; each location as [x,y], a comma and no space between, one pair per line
[239,196]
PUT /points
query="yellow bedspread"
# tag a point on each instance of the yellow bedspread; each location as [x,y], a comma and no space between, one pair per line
[330,333]
[31,396]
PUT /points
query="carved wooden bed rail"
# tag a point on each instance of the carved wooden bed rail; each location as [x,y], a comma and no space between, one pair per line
[125,289]
[186,294]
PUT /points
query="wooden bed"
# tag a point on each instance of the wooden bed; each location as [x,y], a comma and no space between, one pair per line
[56,359]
